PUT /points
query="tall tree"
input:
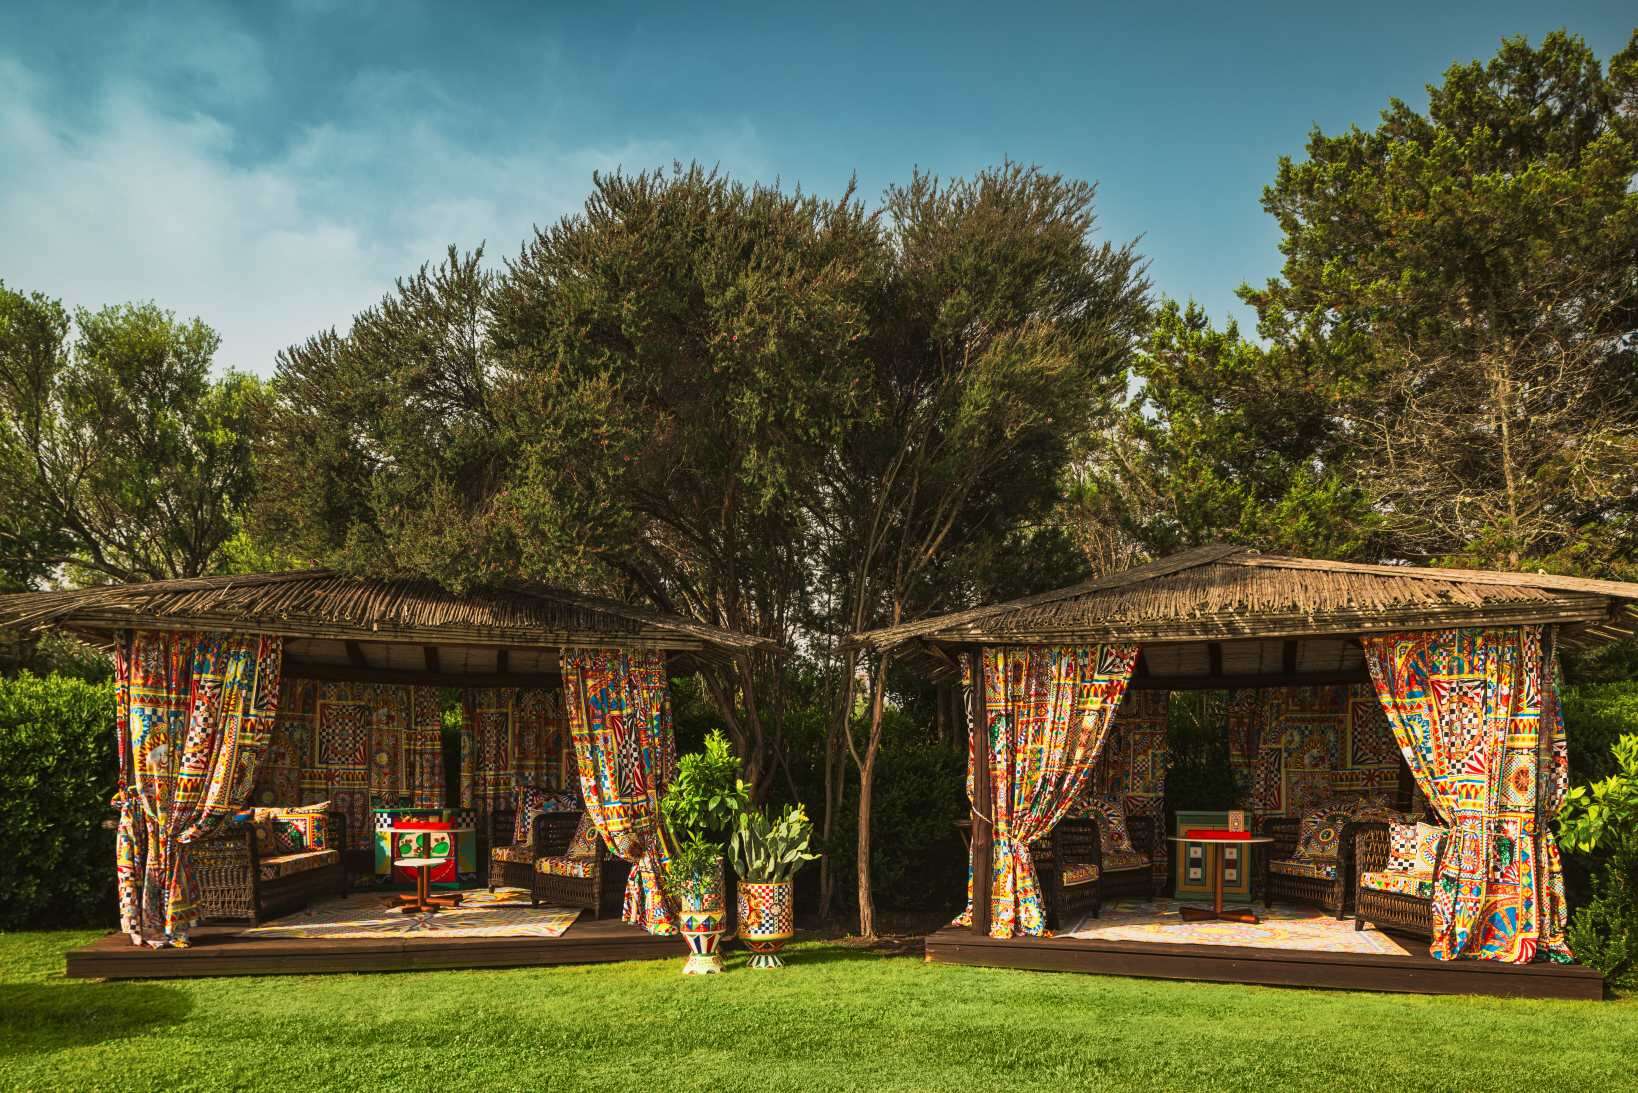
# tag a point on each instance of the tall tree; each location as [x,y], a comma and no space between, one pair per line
[121,457]
[1001,332]
[1220,439]
[1470,270]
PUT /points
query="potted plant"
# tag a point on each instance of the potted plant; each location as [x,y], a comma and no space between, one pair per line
[766,856]
[699,807]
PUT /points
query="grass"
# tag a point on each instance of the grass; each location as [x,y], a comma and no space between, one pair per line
[836,1018]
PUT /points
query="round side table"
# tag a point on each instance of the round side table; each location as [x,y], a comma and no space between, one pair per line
[421,899]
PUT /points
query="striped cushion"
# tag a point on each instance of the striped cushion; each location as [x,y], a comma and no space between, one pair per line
[1118,861]
[514,853]
[1404,884]
[286,865]
[566,867]
[1312,870]
[1079,873]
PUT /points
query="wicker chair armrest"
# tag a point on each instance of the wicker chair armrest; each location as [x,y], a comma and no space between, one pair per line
[1283,830]
[502,823]
[1351,831]
[1370,848]
[553,832]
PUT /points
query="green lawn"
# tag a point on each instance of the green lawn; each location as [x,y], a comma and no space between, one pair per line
[836,1018]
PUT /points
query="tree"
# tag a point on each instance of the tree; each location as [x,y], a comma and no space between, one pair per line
[120,456]
[1467,273]
[1002,331]
[1222,439]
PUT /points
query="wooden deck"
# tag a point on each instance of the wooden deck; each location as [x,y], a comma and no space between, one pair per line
[224,950]
[1419,974]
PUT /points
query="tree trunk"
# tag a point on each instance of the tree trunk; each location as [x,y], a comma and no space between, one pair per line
[867,774]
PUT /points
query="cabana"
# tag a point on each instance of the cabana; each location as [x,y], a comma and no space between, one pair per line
[259,715]
[1357,697]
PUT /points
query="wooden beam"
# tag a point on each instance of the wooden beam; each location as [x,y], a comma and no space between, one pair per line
[430,652]
[347,673]
[355,655]
[983,827]
[1221,682]
[503,660]
[1288,656]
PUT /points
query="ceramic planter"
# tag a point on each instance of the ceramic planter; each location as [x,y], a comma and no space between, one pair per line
[767,919]
[700,918]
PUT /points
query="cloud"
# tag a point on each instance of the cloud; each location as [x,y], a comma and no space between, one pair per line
[127,197]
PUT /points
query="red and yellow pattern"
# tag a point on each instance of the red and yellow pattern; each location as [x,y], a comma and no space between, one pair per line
[1468,708]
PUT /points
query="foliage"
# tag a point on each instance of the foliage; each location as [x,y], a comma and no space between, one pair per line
[1602,819]
[1463,276]
[1603,932]
[56,779]
[120,456]
[1198,774]
[1603,816]
[1596,715]
[695,861]
[707,796]
[1223,439]
[764,852]
[837,1018]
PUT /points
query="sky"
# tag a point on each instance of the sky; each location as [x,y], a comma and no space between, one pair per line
[271,167]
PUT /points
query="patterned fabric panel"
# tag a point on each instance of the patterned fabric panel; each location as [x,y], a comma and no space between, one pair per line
[1079,873]
[1320,836]
[514,853]
[1111,820]
[286,865]
[1404,884]
[584,843]
[531,801]
[298,829]
[566,867]
[1402,849]
[1115,861]
[1312,870]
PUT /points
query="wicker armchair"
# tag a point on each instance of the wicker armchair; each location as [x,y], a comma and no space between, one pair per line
[1324,881]
[1078,871]
[1408,910]
[584,874]
[239,883]
[512,865]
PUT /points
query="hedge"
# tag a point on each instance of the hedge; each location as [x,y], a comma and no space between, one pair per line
[57,774]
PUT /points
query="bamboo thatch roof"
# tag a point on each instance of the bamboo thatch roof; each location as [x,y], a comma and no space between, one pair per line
[328,607]
[1220,591]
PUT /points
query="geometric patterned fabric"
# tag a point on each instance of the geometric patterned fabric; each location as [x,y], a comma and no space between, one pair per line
[1404,884]
[1475,713]
[1047,712]
[192,714]
[619,711]
[1305,747]
[1079,873]
[1132,766]
[285,865]
[1310,870]
[531,801]
[511,739]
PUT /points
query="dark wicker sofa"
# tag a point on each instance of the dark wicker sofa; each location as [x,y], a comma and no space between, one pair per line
[559,874]
[1324,882]
[1078,873]
[238,882]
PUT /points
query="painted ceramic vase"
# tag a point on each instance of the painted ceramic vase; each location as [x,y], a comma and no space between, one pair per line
[767,919]
[701,915]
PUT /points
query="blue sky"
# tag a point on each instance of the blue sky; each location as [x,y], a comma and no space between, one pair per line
[271,167]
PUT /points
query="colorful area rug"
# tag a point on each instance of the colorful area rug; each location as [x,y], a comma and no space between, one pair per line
[503,913]
[1280,928]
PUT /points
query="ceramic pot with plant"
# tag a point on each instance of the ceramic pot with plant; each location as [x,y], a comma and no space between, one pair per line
[766,856]
[699,808]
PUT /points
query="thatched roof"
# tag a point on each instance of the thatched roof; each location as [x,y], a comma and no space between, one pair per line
[1226,592]
[341,619]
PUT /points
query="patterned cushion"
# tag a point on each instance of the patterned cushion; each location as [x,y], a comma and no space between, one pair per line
[285,865]
[514,853]
[1298,867]
[584,843]
[1404,884]
[1427,848]
[1079,873]
[566,867]
[1320,836]
[1111,820]
[299,829]
[530,801]
[1115,861]
[1401,849]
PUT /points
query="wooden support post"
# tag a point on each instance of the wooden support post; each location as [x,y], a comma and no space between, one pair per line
[1214,658]
[503,659]
[1288,656]
[355,655]
[983,826]
[430,652]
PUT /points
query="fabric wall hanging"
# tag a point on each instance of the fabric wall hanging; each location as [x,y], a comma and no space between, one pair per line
[619,708]
[1132,765]
[511,738]
[1047,712]
[192,715]
[1310,746]
[1476,715]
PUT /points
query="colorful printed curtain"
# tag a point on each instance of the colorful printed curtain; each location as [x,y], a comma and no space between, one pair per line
[619,707]
[192,713]
[1467,707]
[510,738]
[1048,711]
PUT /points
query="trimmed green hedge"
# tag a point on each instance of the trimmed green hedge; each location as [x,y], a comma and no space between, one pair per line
[57,774]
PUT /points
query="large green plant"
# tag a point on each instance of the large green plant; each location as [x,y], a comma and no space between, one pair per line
[1602,819]
[766,852]
[700,807]
[56,778]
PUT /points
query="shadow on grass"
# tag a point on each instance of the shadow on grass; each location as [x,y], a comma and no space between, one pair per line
[42,1017]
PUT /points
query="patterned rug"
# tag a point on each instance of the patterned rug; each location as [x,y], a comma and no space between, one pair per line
[1280,928]
[503,913]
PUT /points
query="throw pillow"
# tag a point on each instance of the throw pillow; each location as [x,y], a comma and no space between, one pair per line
[1401,848]
[1320,835]
[584,844]
[299,829]
[1111,821]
